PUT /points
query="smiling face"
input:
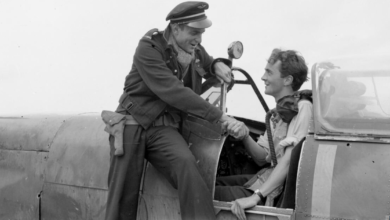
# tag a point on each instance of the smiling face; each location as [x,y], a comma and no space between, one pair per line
[275,85]
[187,37]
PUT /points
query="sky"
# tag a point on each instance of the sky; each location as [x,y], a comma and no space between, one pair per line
[71,57]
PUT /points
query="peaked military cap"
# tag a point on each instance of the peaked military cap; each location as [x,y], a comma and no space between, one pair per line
[190,13]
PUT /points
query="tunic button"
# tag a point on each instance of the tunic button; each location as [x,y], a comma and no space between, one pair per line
[175,71]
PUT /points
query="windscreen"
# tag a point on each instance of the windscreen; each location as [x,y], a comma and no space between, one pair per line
[352,101]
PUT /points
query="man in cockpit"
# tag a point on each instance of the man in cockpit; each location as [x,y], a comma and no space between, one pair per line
[284,74]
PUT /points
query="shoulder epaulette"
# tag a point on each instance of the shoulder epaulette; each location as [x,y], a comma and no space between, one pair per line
[152,32]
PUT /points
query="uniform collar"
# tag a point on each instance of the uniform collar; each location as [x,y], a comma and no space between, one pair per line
[166,34]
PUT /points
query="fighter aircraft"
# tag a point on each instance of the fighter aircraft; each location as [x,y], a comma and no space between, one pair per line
[56,166]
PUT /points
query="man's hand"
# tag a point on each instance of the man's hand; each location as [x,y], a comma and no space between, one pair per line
[238,211]
[239,205]
[288,141]
[235,128]
[225,120]
[223,72]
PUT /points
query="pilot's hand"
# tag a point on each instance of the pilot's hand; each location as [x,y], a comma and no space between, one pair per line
[239,205]
[283,144]
[223,72]
[238,211]
[225,121]
[234,127]
[288,141]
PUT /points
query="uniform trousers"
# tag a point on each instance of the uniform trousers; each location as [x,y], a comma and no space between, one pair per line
[168,152]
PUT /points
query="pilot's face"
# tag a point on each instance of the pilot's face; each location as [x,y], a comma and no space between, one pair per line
[188,37]
[273,80]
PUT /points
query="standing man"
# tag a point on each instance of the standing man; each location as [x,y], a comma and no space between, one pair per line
[163,86]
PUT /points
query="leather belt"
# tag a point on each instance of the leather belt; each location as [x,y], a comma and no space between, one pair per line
[165,120]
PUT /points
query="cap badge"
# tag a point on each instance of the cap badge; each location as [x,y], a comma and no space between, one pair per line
[201,6]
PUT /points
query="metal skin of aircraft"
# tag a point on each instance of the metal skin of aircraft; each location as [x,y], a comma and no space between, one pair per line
[56,166]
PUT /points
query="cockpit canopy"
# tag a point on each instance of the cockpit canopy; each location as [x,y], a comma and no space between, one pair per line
[350,100]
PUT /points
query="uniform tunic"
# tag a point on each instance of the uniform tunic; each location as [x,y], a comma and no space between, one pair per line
[158,97]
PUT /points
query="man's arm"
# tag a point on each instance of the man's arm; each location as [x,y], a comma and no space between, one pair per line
[297,130]
[220,67]
[276,178]
[162,82]
[278,175]
[152,68]
[222,71]
[238,130]
[257,153]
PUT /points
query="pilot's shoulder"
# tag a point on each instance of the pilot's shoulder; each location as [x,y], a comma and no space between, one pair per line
[304,104]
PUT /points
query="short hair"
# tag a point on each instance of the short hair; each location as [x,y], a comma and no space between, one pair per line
[292,64]
[181,25]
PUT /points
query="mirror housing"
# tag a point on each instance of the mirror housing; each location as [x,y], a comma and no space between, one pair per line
[235,50]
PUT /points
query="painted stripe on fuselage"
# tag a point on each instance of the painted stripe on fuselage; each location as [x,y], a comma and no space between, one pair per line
[323,175]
